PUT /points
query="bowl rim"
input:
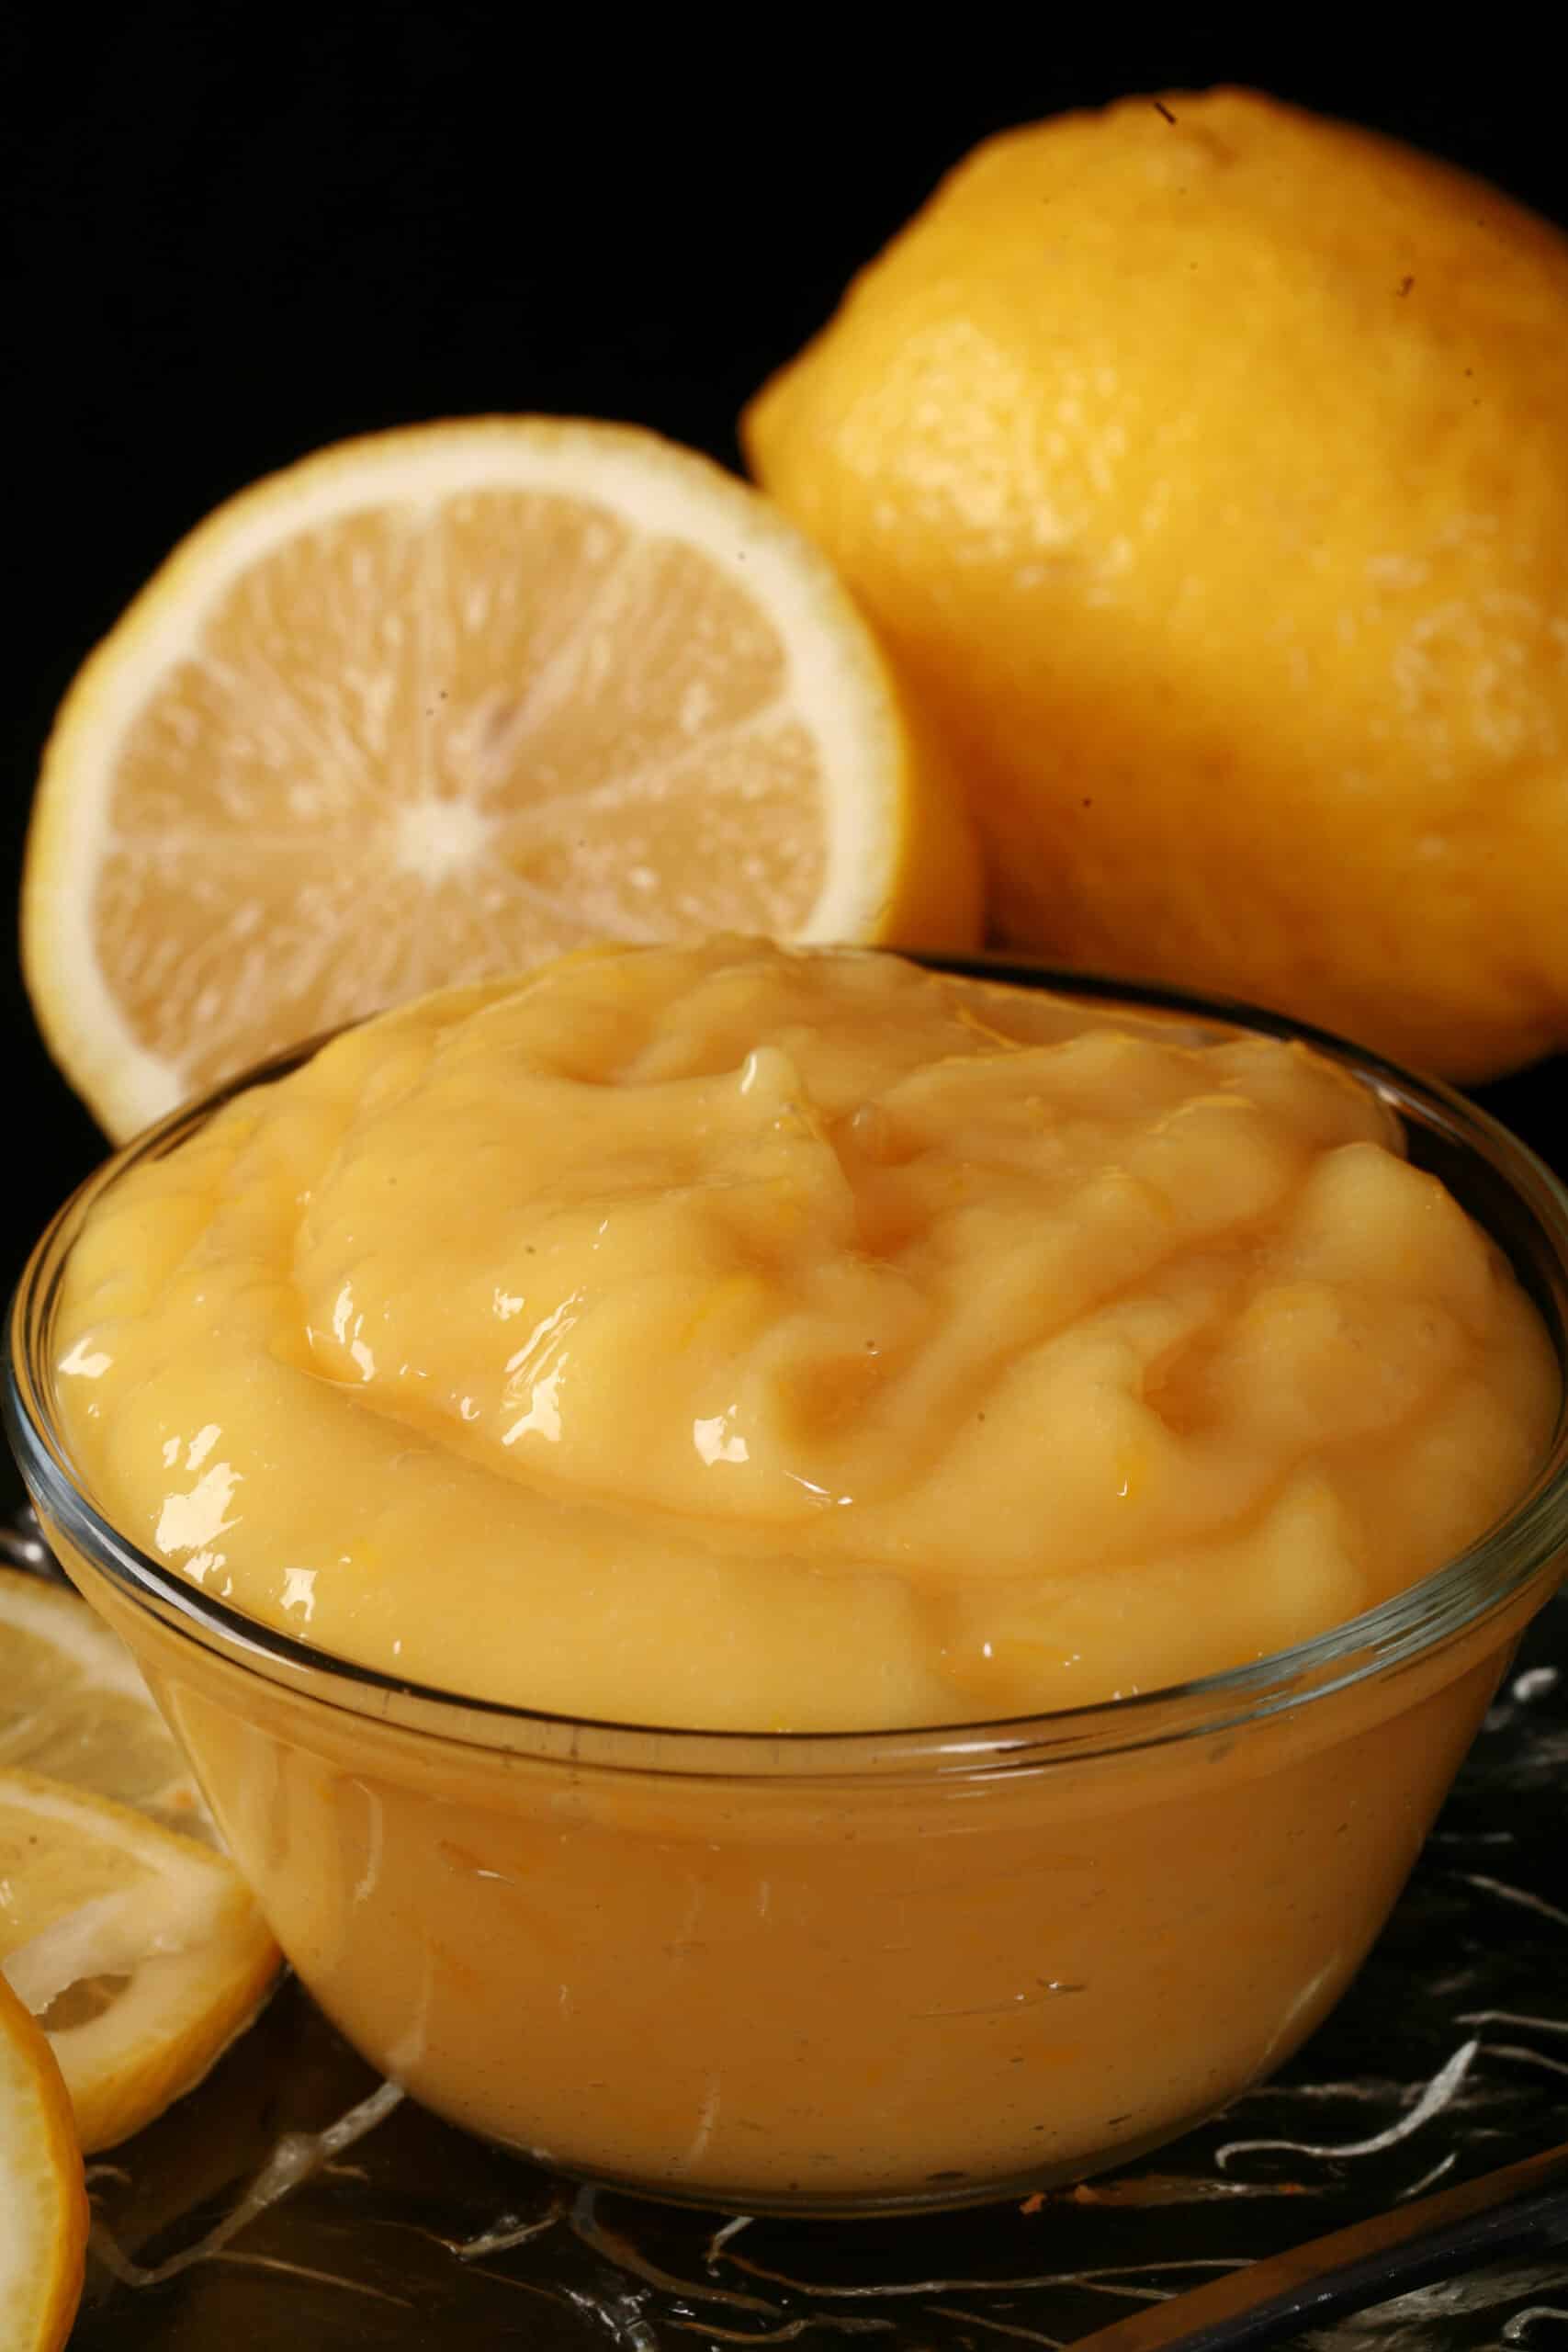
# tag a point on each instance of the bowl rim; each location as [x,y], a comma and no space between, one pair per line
[1520,1549]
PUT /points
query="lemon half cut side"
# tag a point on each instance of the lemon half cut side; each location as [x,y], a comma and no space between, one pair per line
[445,702]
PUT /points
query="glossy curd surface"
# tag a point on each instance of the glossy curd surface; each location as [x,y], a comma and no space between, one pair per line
[797,1341]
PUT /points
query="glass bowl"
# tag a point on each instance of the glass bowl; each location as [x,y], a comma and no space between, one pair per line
[833,1974]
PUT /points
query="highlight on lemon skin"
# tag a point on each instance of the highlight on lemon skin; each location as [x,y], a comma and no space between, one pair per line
[443,702]
[1201,466]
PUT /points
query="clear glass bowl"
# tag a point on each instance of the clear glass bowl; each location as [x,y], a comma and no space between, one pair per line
[848,1972]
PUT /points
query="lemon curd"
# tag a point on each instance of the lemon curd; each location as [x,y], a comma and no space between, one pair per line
[731,1342]
[738,1338]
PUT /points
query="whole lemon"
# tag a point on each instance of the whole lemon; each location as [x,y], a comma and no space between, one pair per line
[1203,465]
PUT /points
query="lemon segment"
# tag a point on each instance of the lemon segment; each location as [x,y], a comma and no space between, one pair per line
[139,1951]
[74,1707]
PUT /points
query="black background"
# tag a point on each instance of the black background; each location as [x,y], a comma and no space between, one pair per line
[241,232]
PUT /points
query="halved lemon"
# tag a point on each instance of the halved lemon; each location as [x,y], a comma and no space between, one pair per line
[140,1952]
[43,2201]
[443,702]
[73,1706]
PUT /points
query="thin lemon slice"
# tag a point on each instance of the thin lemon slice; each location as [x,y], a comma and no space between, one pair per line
[441,703]
[73,1706]
[140,1952]
[43,2201]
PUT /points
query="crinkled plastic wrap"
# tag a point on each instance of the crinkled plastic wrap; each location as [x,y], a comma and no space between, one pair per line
[296,2201]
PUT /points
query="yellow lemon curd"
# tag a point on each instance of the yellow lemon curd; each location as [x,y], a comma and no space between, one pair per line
[733,1337]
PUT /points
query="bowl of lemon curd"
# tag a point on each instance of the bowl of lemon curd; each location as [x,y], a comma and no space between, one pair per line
[808,1583]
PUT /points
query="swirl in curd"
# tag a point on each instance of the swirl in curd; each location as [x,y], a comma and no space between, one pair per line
[740,1338]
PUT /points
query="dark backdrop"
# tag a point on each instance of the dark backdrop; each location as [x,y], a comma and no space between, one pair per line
[241,232]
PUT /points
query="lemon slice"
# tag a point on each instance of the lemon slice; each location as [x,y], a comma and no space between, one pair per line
[73,1706]
[43,2201]
[138,1951]
[441,703]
